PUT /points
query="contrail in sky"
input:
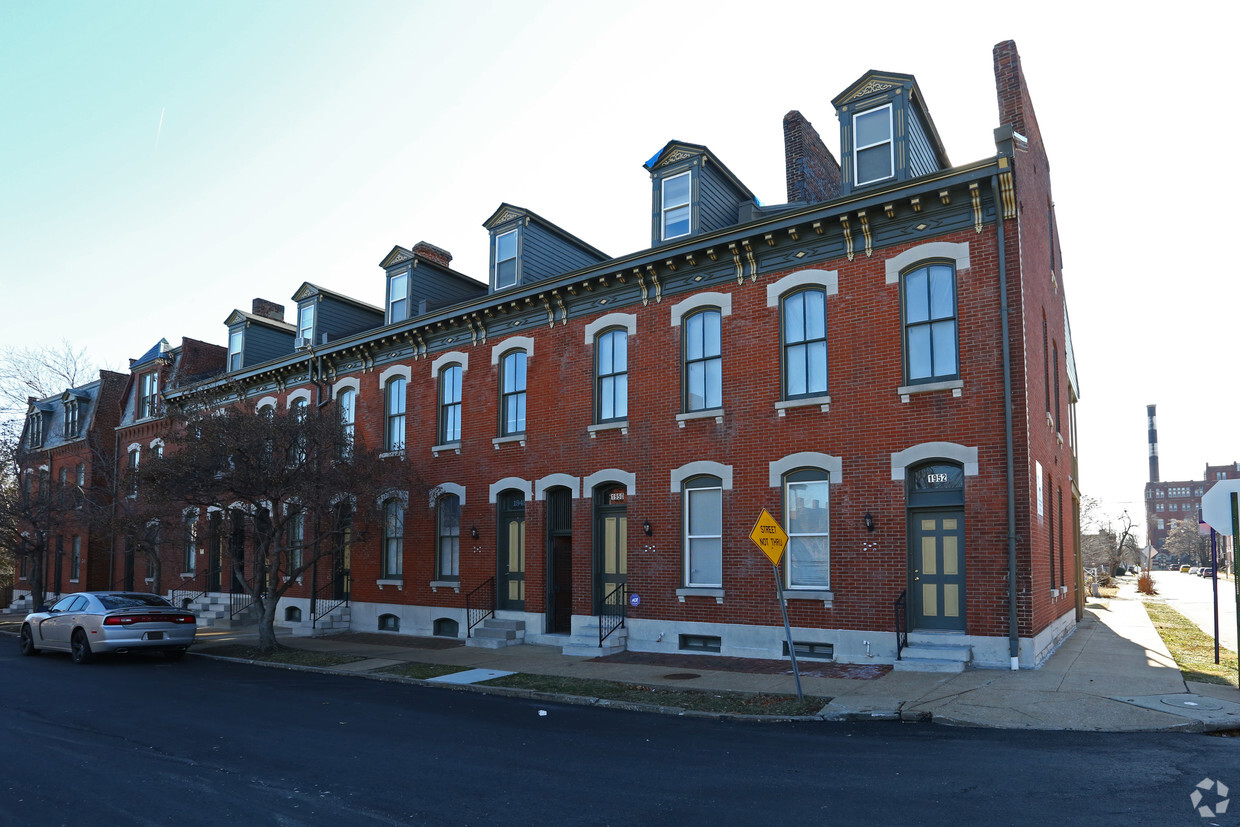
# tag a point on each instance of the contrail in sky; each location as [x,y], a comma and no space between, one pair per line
[161,126]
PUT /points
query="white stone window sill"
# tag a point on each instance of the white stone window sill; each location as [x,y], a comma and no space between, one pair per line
[697,591]
[399,454]
[503,440]
[399,584]
[823,403]
[621,425]
[455,585]
[1063,589]
[447,446]
[1050,421]
[1054,593]
[186,575]
[827,598]
[149,580]
[713,413]
[1059,438]
[956,386]
[73,580]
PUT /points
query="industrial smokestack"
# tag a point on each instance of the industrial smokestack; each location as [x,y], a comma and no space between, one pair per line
[1153,418]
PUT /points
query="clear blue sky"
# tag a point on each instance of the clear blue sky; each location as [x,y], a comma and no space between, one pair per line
[164,163]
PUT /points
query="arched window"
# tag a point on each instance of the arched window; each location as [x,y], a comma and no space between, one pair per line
[512,396]
[703,357]
[703,526]
[393,539]
[807,517]
[450,404]
[448,538]
[394,431]
[611,371]
[347,400]
[804,330]
[930,323]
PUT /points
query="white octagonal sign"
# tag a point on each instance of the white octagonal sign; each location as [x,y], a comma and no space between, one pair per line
[1216,505]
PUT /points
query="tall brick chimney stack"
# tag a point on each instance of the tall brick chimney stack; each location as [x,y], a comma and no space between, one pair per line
[813,173]
[1015,106]
[436,254]
[268,309]
[1153,433]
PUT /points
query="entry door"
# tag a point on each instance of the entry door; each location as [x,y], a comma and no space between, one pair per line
[611,545]
[937,566]
[236,550]
[559,560]
[512,550]
[215,549]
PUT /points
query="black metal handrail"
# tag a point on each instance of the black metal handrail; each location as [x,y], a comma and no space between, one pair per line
[320,606]
[196,588]
[901,622]
[480,604]
[612,612]
[239,601]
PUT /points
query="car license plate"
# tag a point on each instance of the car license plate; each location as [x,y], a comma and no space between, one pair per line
[153,636]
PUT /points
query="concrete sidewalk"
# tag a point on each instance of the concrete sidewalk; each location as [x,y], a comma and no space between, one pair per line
[1114,674]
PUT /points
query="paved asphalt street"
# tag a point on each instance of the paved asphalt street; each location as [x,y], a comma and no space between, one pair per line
[141,741]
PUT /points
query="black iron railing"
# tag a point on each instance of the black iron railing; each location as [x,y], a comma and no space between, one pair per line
[612,612]
[239,601]
[480,604]
[901,622]
[192,589]
[330,596]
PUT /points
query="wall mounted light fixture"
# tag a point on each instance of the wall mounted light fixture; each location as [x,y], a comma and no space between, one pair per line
[646,528]
[473,532]
[869,522]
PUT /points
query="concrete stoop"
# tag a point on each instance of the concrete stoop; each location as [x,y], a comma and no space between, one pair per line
[583,642]
[495,633]
[338,619]
[214,610]
[921,656]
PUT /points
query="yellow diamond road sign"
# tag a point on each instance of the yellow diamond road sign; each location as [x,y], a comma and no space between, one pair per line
[769,537]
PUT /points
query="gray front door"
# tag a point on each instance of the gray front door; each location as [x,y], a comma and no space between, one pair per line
[936,564]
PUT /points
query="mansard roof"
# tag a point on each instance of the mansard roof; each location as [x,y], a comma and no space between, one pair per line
[875,83]
[510,212]
[240,316]
[674,151]
[309,289]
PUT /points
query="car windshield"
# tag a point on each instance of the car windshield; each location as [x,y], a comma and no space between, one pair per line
[132,601]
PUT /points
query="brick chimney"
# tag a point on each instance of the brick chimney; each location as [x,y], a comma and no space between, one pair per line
[812,171]
[432,253]
[1015,106]
[268,310]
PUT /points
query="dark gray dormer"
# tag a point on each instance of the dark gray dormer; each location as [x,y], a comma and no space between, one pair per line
[693,193]
[324,316]
[525,248]
[76,410]
[257,337]
[420,279]
[886,133]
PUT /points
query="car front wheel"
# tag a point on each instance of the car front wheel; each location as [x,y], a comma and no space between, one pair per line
[27,642]
[81,648]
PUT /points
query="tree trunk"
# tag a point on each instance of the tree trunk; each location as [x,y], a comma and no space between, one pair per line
[267,626]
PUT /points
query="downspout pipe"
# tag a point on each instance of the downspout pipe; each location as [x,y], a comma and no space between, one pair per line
[1010,452]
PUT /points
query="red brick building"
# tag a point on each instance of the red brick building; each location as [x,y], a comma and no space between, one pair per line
[883,363]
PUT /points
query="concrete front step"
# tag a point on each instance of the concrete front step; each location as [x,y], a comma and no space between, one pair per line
[583,643]
[496,633]
[934,657]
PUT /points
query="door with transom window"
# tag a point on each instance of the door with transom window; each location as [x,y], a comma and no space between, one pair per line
[936,547]
[611,522]
[511,550]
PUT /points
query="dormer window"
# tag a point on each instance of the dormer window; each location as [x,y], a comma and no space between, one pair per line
[677,208]
[35,432]
[236,340]
[398,298]
[873,154]
[305,323]
[506,259]
[71,419]
[148,393]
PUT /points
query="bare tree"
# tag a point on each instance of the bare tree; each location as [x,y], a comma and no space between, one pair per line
[293,481]
[1185,542]
[1110,541]
[39,372]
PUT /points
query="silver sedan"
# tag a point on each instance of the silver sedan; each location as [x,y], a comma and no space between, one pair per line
[90,623]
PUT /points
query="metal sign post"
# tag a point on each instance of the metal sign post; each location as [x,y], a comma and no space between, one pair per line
[1235,547]
[771,540]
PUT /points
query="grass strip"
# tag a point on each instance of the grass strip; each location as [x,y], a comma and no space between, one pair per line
[422,671]
[723,702]
[285,654]
[1192,648]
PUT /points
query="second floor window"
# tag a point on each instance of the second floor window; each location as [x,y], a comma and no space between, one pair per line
[348,412]
[133,472]
[450,405]
[703,350]
[612,375]
[148,394]
[512,413]
[394,437]
[448,557]
[506,259]
[805,344]
[930,323]
[296,539]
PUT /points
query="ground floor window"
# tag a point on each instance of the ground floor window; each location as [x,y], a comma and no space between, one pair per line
[703,540]
[807,500]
